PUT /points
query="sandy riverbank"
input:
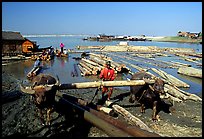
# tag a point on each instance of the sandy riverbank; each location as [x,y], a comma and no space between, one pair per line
[19,116]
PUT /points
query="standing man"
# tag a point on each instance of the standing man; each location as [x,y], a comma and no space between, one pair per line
[62,47]
[107,74]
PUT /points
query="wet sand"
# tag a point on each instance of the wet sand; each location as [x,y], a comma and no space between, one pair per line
[20,117]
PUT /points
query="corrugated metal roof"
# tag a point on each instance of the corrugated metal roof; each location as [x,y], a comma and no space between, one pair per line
[9,35]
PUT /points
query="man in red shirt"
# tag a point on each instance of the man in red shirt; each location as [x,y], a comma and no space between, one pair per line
[107,74]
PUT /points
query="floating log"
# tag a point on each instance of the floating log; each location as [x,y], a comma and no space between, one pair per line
[94,70]
[97,84]
[190,96]
[180,64]
[101,56]
[170,79]
[85,66]
[190,71]
[90,62]
[128,116]
[134,66]
[118,67]
[91,66]
[84,72]
[15,58]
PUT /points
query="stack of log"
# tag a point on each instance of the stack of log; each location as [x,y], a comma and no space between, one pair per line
[96,63]
[171,88]
[170,78]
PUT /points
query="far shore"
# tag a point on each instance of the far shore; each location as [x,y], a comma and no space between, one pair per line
[174,39]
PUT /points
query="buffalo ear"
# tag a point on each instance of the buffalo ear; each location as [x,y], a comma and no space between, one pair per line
[151,87]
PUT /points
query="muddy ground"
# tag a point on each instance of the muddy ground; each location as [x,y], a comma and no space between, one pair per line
[20,117]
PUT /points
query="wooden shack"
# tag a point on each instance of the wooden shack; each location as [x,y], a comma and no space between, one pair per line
[12,43]
[28,46]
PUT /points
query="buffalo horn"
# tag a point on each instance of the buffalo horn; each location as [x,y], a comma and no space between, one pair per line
[27,90]
[58,81]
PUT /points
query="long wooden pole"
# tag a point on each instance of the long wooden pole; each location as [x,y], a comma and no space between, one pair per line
[97,84]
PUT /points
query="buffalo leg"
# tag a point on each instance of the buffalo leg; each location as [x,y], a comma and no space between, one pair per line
[142,108]
[132,98]
[41,116]
[48,116]
[154,111]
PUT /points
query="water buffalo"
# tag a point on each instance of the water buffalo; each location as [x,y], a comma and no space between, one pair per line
[147,95]
[43,91]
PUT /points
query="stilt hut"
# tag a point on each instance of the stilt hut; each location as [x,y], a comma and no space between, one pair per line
[12,43]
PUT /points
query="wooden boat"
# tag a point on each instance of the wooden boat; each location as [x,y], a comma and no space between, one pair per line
[35,71]
[62,55]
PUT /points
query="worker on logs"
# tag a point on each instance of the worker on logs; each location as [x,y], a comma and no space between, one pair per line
[107,74]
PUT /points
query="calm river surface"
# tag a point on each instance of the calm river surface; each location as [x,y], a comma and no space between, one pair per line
[64,66]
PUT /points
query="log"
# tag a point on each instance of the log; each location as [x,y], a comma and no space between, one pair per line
[171,90]
[113,127]
[190,71]
[180,64]
[84,103]
[108,128]
[84,72]
[105,110]
[85,66]
[128,116]
[101,56]
[91,66]
[97,84]
[166,96]
[134,66]
[89,61]
[190,96]
[170,79]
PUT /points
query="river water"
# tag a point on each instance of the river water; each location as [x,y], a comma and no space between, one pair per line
[62,67]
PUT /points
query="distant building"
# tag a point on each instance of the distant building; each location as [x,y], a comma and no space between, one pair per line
[183,34]
[14,43]
[189,34]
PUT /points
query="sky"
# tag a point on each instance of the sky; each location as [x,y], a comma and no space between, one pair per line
[110,18]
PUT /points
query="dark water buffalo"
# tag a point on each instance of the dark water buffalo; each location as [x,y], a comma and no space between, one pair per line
[147,95]
[43,91]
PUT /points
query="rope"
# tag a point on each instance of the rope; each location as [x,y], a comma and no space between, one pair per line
[141,95]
